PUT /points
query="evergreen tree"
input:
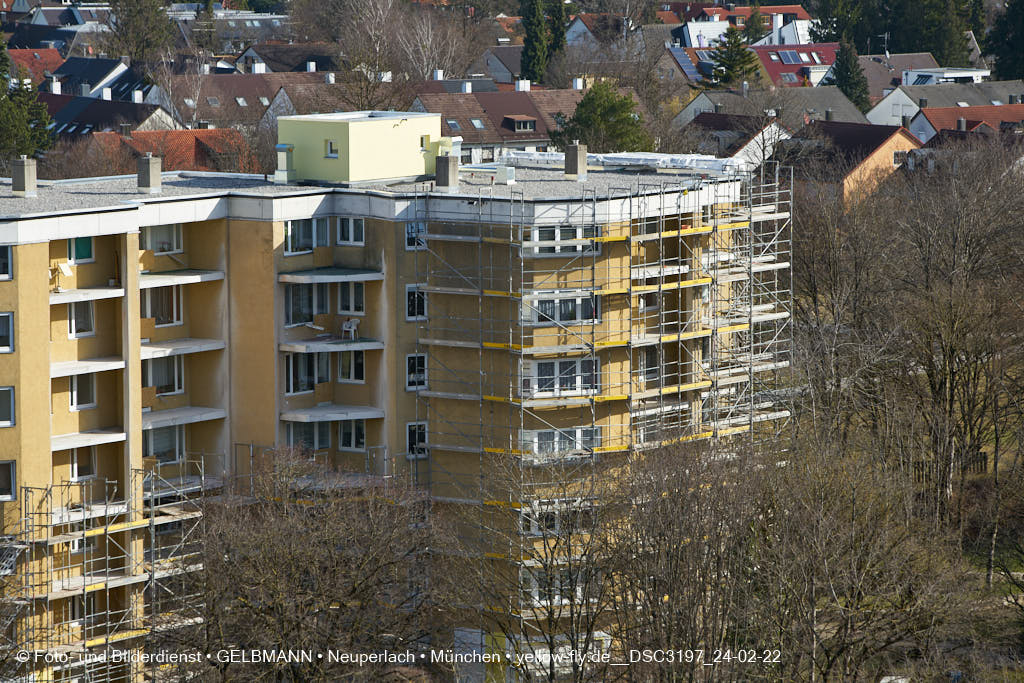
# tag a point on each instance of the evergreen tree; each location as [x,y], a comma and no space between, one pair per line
[204,29]
[754,30]
[140,29]
[945,34]
[604,121]
[557,19]
[836,20]
[535,40]
[973,12]
[733,60]
[849,77]
[23,118]
[1006,40]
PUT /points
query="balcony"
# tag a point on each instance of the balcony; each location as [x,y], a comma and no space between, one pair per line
[92,437]
[332,413]
[185,276]
[180,416]
[330,274]
[85,366]
[327,343]
[70,296]
[179,347]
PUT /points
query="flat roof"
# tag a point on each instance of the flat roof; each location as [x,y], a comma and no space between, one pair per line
[366,115]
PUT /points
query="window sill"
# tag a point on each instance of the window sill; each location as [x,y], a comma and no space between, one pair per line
[351,244]
[351,381]
[81,335]
[359,313]
[176,324]
[299,393]
[168,253]
[81,263]
[298,253]
[171,393]
[343,449]
[418,319]
[289,326]
[416,388]
[78,409]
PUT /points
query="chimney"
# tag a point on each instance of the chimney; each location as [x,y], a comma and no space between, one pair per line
[961,124]
[828,114]
[149,174]
[745,88]
[202,124]
[467,86]
[107,94]
[576,161]
[126,129]
[446,173]
[906,121]
[205,69]
[126,60]
[137,96]
[577,84]
[23,184]
[54,85]
[438,74]
[922,103]
[285,172]
[523,85]
[311,67]
[85,89]
[1014,99]
[718,107]
[329,78]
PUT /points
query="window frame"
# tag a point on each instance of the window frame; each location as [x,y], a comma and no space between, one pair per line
[92,250]
[179,374]
[13,495]
[477,123]
[413,230]
[315,375]
[177,240]
[416,291]
[557,246]
[9,273]
[357,425]
[179,444]
[410,384]
[317,307]
[74,388]
[75,463]
[177,306]
[361,365]
[419,450]
[290,236]
[9,347]
[349,223]
[72,334]
[540,319]
[318,434]
[533,385]
[351,299]
[531,439]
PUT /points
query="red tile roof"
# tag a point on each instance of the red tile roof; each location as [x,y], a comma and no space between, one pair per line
[35,62]
[668,17]
[213,149]
[945,118]
[809,55]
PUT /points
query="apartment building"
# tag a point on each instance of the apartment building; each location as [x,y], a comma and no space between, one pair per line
[391,313]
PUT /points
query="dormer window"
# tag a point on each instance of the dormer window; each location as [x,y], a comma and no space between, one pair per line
[521,123]
[526,125]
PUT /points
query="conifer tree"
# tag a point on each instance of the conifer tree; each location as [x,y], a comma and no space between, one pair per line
[849,77]
[535,40]
[733,60]
[557,19]
[1006,41]
[23,118]
[754,29]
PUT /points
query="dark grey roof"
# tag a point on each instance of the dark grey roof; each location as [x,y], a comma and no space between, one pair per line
[511,56]
[885,72]
[974,94]
[799,104]
[79,70]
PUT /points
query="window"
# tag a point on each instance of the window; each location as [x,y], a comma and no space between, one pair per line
[816,57]
[166,444]
[773,56]
[549,442]
[351,367]
[7,480]
[553,586]
[83,391]
[240,101]
[80,544]
[298,236]
[415,371]
[565,240]
[190,103]
[740,21]
[790,57]
[415,303]
[477,123]
[6,332]
[312,436]
[350,231]
[896,110]
[264,101]
[6,261]
[330,149]
[80,320]
[303,371]
[6,406]
[351,297]
[163,304]
[416,439]
[557,516]
[805,58]
[560,377]
[83,463]
[789,78]
[566,310]
[162,239]
[650,368]
[80,250]
[899,158]
[453,124]
[352,435]
[166,374]
[424,141]
[525,125]
[302,302]
[414,236]
[213,101]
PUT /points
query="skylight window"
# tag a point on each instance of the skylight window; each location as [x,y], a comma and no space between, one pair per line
[997,102]
[805,58]
[773,56]
[962,104]
[213,101]
[241,102]
[790,57]
[817,58]
[264,101]
[453,124]
[477,123]
[789,78]
[189,102]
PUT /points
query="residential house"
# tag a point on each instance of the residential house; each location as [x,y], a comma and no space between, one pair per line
[306,98]
[73,115]
[795,32]
[209,150]
[703,34]
[903,103]
[38,64]
[668,18]
[884,72]
[503,63]
[508,30]
[86,77]
[591,31]
[750,140]
[797,65]
[278,57]
[799,106]
[848,158]
[737,15]
[939,75]
[233,29]
[931,120]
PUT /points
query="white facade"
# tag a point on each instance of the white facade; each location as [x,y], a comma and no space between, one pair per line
[703,33]
[944,75]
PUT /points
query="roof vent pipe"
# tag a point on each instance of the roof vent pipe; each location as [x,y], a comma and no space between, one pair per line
[85,89]
[438,74]
[745,88]
[922,103]
[718,107]
[523,85]
[906,121]
[961,124]
[329,78]
[311,66]
[576,161]
[149,174]
[446,174]
[467,86]
[23,184]
[577,84]
[54,85]
[828,114]
[137,96]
